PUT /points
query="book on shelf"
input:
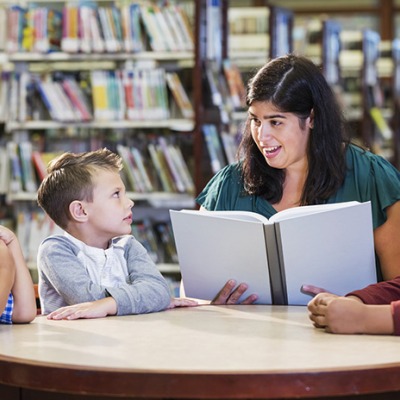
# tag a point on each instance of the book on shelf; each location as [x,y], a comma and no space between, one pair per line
[15,25]
[70,29]
[15,168]
[330,246]
[167,27]
[3,28]
[144,232]
[101,108]
[134,169]
[166,237]
[32,228]
[164,176]
[214,30]
[4,95]
[170,166]
[180,95]
[230,144]
[152,28]
[214,147]
[29,183]
[182,167]
[237,89]
[383,127]
[91,35]
[131,28]
[183,25]
[41,160]
[4,170]
[110,20]
[77,98]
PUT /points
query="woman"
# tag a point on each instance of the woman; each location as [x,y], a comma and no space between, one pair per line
[294,152]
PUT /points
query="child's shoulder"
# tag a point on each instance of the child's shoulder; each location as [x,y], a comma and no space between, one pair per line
[56,243]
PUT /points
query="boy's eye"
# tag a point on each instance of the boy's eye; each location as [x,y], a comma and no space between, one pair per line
[117,193]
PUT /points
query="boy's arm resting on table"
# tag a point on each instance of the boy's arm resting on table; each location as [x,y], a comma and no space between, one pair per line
[371,310]
[388,249]
[350,315]
[145,290]
[94,309]
[24,309]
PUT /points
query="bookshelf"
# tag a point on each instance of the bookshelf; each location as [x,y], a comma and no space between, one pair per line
[156,134]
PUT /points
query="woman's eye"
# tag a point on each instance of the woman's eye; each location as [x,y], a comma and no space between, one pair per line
[255,121]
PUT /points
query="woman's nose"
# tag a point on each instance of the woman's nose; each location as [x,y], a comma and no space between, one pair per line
[263,132]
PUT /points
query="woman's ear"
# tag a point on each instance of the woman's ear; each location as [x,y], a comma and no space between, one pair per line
[77,210]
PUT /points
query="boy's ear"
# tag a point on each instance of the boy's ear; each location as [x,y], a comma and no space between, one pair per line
[77,210]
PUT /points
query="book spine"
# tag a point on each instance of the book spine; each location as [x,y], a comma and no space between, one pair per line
[28,174]
[276,272]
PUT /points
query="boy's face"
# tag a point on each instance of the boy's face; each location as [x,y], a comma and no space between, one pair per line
[110,214]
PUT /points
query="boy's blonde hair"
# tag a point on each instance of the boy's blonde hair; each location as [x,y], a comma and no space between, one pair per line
[70,177]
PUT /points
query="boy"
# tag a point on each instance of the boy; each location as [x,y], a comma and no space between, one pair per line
[17,297]
[97,268]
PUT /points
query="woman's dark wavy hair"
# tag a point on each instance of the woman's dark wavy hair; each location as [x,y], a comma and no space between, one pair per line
[296,85]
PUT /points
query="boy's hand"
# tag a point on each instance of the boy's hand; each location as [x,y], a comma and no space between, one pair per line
[182,302]
[93,309]
[337,314]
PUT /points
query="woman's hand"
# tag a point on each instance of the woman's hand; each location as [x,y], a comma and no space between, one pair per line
[230,294]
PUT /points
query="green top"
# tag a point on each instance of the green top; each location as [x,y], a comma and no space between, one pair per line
[368,178]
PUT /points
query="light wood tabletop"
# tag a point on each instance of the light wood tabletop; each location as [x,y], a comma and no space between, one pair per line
[202,352]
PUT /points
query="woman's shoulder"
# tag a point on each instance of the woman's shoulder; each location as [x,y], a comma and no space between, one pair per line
[365,161]
[231,171]
[223,187]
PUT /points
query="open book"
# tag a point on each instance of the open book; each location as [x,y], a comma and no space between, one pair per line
[329,246]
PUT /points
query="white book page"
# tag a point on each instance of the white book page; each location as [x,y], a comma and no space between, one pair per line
[333,250]
[307,210]
[237,215]
[212,250]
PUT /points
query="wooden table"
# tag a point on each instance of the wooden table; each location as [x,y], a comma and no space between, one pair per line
[207,352]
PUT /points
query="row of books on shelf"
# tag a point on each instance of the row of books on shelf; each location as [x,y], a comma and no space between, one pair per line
[226,87]
[158,165]
[91,28]
[101,95]
[222,145]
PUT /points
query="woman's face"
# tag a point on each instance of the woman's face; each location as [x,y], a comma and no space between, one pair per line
[281,137]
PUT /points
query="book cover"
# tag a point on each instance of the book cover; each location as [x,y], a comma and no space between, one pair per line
[329,246]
